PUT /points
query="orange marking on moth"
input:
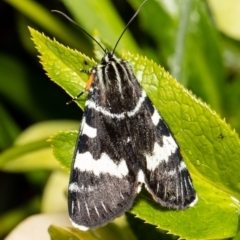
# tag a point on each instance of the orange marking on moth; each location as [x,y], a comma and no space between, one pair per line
[89,82]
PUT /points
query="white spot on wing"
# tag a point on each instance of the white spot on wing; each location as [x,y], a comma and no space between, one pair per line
[161,154]
[104,207]
[194,202]
[171,173]
[90,189]
[138,106]
[88,130]
[85,162]
[73,187]
[80,227]
[121,195]
[182,166]
[96,211]
[78,204]
[156,117]
[92,104]
[86,206]
[141,179]
[72,207]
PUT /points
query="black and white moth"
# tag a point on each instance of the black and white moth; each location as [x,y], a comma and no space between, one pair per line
[123,142]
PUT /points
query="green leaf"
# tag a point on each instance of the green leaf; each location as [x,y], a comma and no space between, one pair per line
[144,231]
[62,63]
[31,150]
[202,221]
[209,146]
[237,237]
[63,144]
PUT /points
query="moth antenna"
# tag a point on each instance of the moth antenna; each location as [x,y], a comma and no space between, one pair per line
[71,20]
[129,22]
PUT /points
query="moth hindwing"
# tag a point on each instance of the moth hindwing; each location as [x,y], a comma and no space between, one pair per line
[123,142]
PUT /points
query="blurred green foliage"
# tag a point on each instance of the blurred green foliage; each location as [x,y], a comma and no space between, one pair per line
[181,35]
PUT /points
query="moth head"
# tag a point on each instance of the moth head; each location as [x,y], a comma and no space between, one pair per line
[108,56]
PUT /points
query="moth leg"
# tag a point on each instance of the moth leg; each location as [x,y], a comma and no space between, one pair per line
[87,87]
